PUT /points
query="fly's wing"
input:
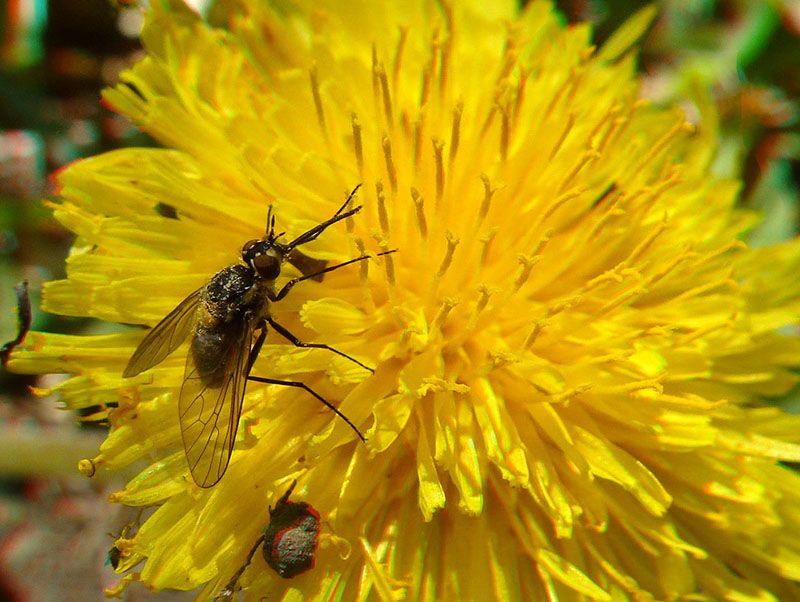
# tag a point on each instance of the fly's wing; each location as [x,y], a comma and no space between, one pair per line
[209,411]
[165,337]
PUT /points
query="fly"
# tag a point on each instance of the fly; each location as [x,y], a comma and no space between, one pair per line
[226,321]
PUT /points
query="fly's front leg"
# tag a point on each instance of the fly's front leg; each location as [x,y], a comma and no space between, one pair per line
[312,234]
[289,285]
[298,343]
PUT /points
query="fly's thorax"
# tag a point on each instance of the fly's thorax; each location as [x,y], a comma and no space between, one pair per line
[232,292]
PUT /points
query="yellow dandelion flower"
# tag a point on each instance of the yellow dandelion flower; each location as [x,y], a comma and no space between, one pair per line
[573,344]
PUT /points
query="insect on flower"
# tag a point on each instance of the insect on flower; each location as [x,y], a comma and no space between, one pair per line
[292,536]
[113,556]
[116,553]
[222,319]
[289,541]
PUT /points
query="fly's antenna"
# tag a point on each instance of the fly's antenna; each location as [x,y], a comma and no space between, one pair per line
[270,221]
[340,214]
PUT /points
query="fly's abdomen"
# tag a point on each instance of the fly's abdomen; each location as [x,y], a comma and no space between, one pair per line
[211,352]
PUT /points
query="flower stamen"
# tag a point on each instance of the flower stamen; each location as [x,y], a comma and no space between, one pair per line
[485,293]
[312,73]
[452,243]
[447,305]
[386,95]
[383,217]
[527,263]
[447,52]
[647,384]
[682,256]
[536,330]
[519,97]
[438,150]
[488,193]
[604,120]
[388,262]
[364,275]
[560,141]
[620,299]
[455,132]
[430,68]
[587,157]
[505,133]
[662,143]
[398,54]
[358,147]
[734,245]
[556,100]
[566,396]
[486,243]
[648,241]
[614,128]
[574,85]
[706,330]
[565,197]
[375,79]
[611,211]
[416,147]
[615,274]
[390,168]
[510,56]
[419,203]
[727,281]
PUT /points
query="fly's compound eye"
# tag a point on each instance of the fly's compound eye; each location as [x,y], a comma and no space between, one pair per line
[247,247]
[267,266]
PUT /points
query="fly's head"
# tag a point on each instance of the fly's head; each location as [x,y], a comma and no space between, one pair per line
[266,255]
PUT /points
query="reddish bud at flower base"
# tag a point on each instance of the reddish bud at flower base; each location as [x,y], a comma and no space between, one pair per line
[289,542]
[292,536]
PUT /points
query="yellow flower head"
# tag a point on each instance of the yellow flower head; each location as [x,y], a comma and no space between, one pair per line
[572,344]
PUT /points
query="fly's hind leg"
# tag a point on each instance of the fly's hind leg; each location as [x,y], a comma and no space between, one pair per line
[309,390]
[298,343]
[290,284]
[256,348]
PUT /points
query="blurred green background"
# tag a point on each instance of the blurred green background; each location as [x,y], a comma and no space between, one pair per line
[55,57]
